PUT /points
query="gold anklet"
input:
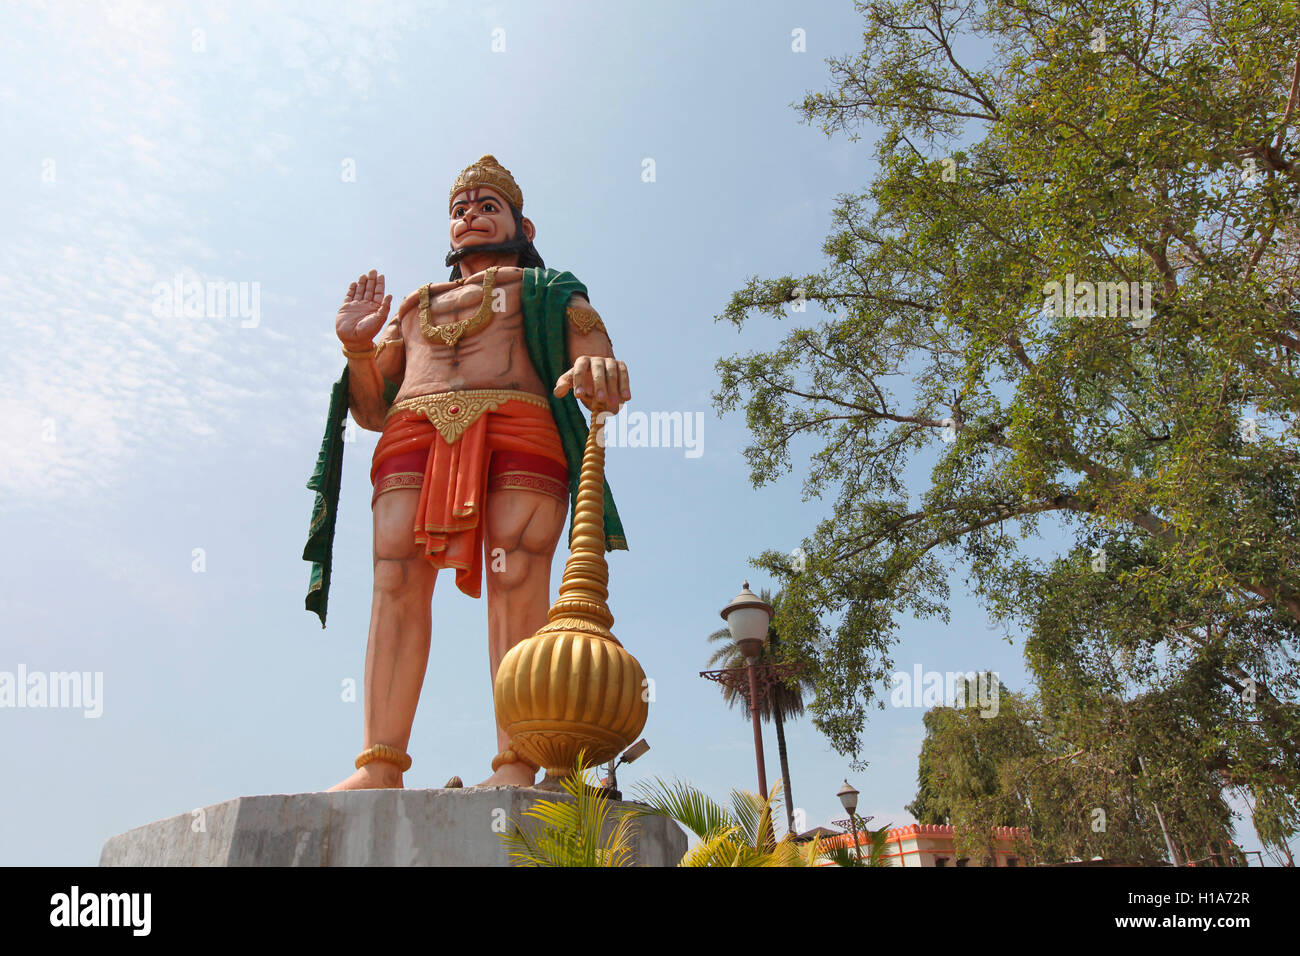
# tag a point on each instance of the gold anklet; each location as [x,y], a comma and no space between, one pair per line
[387,754]
[509,756]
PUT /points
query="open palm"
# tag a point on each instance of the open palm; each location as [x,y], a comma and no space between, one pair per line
[363,312]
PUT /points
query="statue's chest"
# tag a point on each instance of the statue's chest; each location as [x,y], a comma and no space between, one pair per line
[460,313]
[456,304]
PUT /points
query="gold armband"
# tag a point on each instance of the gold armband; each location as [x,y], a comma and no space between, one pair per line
[585,320]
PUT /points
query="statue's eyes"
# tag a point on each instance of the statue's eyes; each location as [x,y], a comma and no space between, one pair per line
[489,207]
[458,212]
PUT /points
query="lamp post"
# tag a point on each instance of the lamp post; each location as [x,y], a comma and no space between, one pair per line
[747,618]
[849,800]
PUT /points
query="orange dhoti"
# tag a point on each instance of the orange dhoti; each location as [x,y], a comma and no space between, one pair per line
[456,447]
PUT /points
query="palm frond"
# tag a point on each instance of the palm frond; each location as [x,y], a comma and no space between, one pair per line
[812,851]
[747,808]
[571,832]
[789,852]
[617,849]
[785,853]
[523,849]
[880,846]
[722,636]
[681,802]
[754,815]
[720,849]
[741,835]
[874,850]
[842,856]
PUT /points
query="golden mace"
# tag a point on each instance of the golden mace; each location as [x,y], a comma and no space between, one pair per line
[572,688]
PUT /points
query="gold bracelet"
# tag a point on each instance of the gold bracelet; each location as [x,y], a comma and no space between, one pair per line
[387,754]
[372,352]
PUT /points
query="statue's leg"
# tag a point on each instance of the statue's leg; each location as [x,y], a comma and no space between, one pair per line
[523,528]
[398,649]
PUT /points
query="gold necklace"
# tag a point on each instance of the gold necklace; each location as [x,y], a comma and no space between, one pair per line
[453,332]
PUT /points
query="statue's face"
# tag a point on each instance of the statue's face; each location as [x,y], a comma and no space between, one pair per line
[480,216]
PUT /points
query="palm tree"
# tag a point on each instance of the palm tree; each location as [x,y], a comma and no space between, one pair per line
[737,835]
[781,702]
[877,849]
[572,832]
[578,830]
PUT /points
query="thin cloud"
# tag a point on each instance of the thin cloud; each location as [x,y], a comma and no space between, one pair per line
[92,373]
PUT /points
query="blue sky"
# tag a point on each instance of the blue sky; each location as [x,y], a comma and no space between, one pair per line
[213,142]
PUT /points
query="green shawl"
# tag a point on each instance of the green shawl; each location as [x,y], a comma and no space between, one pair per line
[546,294]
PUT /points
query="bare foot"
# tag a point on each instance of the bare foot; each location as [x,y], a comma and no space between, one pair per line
[515,774]
[376,775]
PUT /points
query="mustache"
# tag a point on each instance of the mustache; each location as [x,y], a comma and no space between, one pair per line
[510,245]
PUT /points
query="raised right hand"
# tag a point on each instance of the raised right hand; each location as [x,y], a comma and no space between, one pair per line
[363,312]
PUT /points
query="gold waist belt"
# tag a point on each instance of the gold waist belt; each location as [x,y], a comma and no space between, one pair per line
[453,412]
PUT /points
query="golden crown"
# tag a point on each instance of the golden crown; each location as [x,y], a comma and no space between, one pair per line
[488,172]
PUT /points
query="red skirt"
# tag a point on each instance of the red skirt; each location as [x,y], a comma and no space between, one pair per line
[515,446]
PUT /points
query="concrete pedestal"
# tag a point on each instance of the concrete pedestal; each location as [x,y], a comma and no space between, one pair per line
[460,827]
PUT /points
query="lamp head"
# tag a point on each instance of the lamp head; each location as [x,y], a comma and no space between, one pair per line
[848,799]
[638,749]
[747,618]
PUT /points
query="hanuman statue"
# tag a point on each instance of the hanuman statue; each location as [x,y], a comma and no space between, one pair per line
[474,386]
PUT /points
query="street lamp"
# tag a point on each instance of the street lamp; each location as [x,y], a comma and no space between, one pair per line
[849,800]
[748,617]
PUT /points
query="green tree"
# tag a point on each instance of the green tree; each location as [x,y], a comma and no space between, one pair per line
[1080,784]
[1215,687]
[781,702]
[1097,146]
